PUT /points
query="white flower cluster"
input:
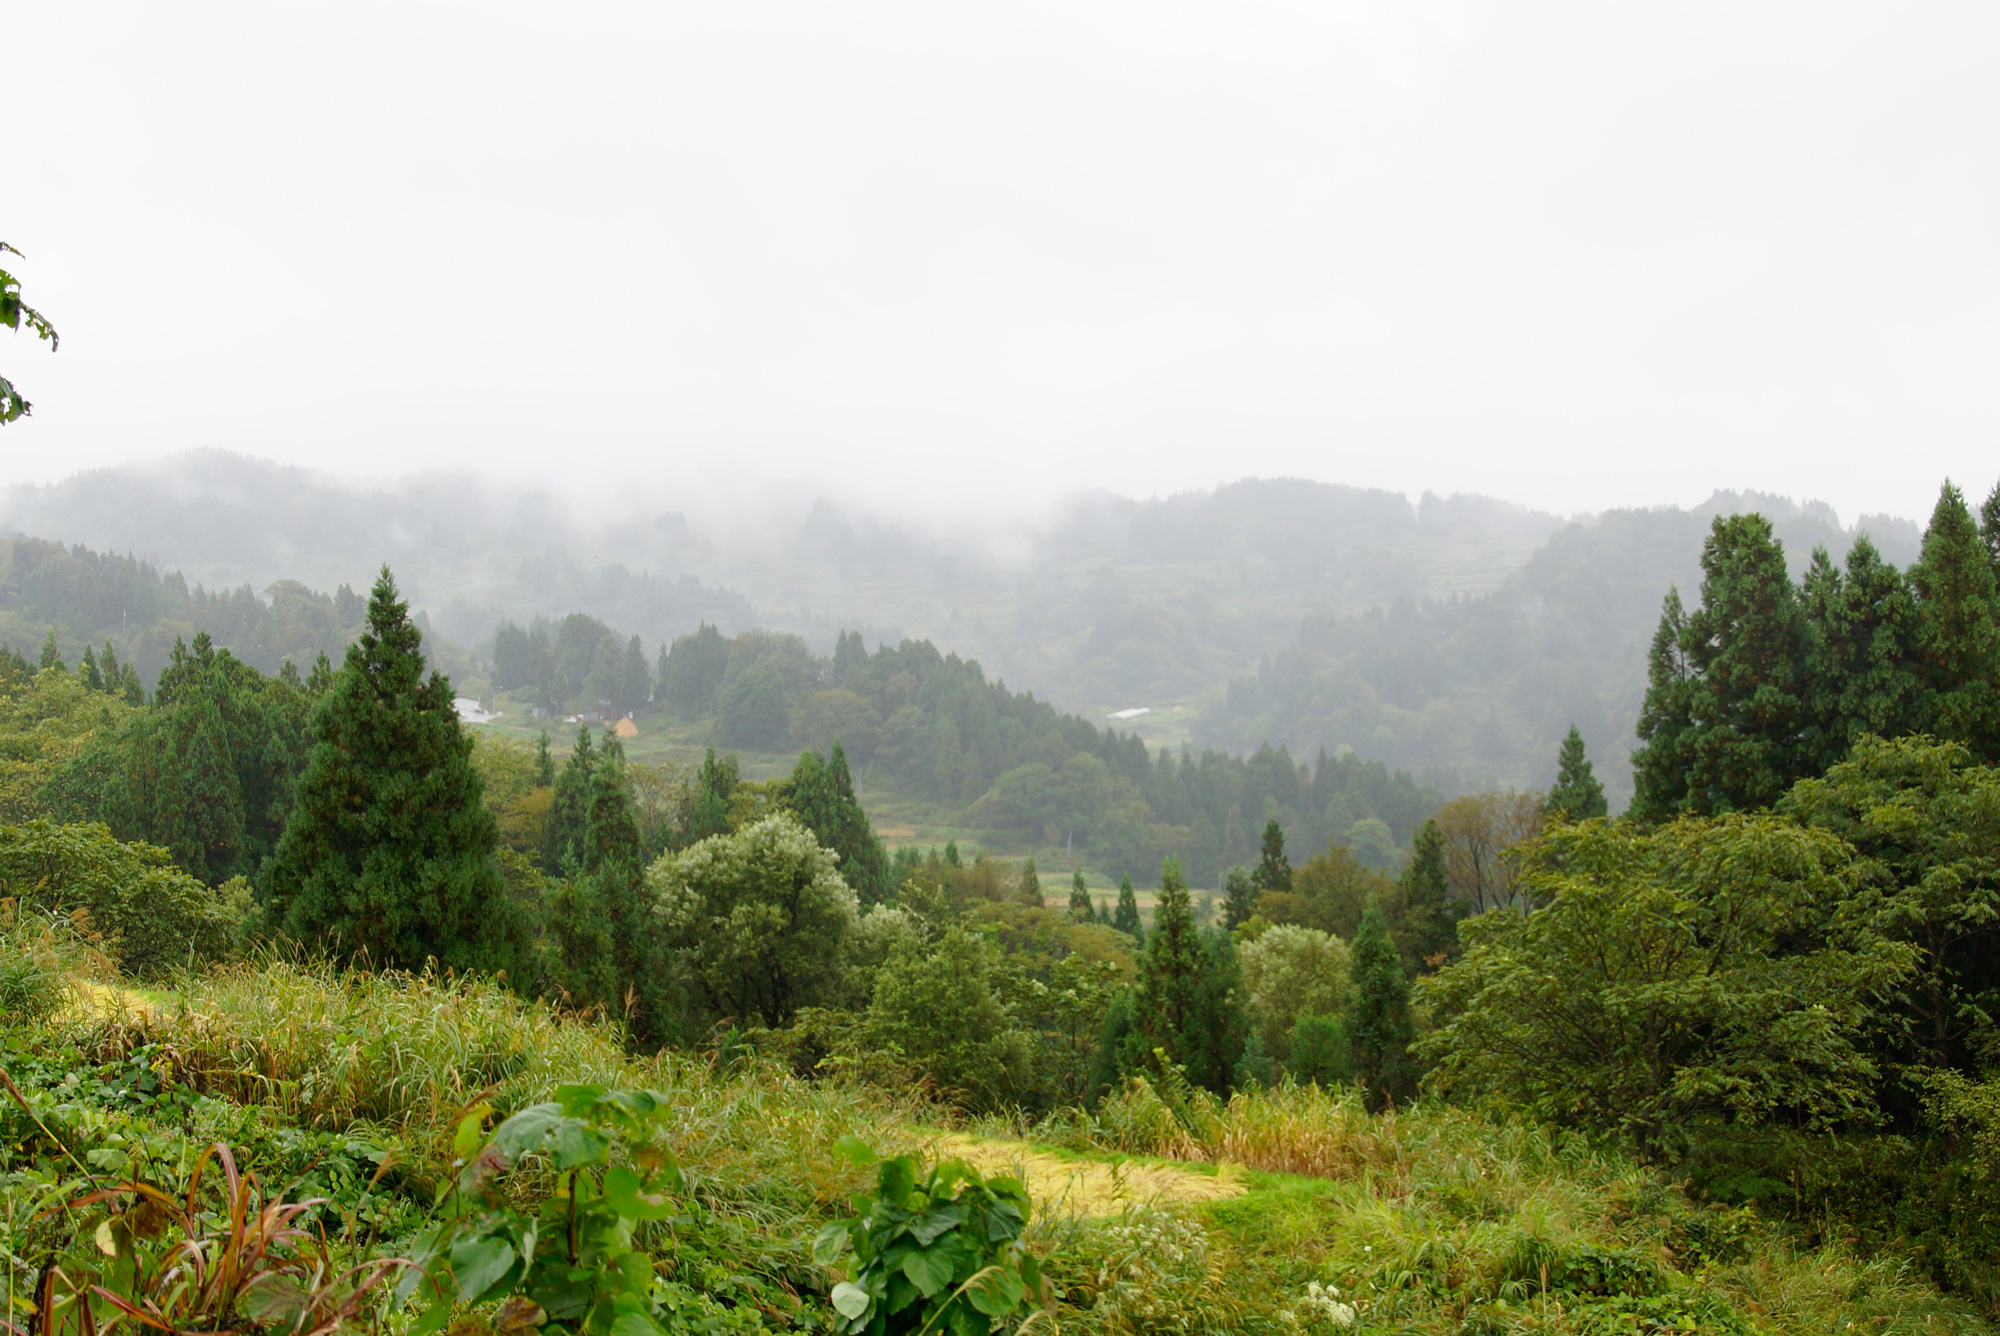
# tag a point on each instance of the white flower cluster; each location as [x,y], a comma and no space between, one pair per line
[1323,1304]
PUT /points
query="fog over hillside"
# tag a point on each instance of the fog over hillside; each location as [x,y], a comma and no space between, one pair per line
[1456,637]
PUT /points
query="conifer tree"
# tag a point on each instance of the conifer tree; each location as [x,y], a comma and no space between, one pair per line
[1029,888]
[87,671]
[1126,917]
[1274,870]
[1166,999]
[1379,1015]
[822,794]
[613,868]
[1080,907]
[388,854]
[1239,898]
[714,785]
[569,807]
[1989,530]
[204,827]
[1220,1028]
[1430,916]
[1861,664]
[1660,764]
[545,762]
[638,682]
[1957,637]
[1577,794]
[1747,645]
[320,680]
[52,654]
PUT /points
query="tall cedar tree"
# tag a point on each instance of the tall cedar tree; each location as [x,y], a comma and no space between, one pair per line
[1430,916]
[1274,870]
[545,762]
[388,854]
[1747,645]
[713,786]
[614,867]
[1958,641]
[1239,898]
[1029,889]
[1660,763]
[1861,659]
[1989,530]
[822,794]
[1577,794]
[1079,898]
[1172,1002]
[569,808]
[1378,1019]
[1126,917]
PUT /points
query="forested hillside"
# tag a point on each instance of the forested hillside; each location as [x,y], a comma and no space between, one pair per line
[1478,691]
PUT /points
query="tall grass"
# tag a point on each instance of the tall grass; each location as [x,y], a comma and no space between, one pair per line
[397,1058]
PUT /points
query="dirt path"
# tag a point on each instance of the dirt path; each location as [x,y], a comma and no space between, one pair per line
[1090,1187]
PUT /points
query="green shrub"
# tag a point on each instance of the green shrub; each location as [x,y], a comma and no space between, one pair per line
[939,1253]
[154,917]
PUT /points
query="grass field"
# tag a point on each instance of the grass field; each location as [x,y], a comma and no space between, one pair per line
[1281,1211]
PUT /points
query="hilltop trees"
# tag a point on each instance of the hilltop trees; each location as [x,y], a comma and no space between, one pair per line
[388,853]
[1764,685]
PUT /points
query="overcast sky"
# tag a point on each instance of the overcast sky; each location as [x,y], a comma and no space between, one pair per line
[1574,255]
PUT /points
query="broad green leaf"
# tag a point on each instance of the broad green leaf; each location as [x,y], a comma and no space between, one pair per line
[995,1292]
[469,1135]
[929,1270]
[855,1151]
[479,1264]
[635,1324]
[525,1131]
[829,1244]
[630,1196]
[850,1300]
[578,1101]
[925,1228]
[896,1179]
[577,1145]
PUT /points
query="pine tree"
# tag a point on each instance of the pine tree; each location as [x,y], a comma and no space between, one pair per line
[613,867]
[388,854]
[1220,1027]
[320,680]
[205,828]
[1079,898]
[714,785]
[1957,637]
[1747,645]
[87,671]
[569,808]
[1861,663]
[545,762]
[1274,870]
[1126,917]
[1029,888]
[822,794]
[1430,916]
[951,852]
[1989,530]
[52,654]
[1660,764]
[1166,999]
[1239,898]
[638,685]
[1577,794]
[1379,1015]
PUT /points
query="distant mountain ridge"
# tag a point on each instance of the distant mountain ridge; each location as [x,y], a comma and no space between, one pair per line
[1456,637]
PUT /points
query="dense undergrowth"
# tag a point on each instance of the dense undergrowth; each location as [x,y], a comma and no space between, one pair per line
[353,1088]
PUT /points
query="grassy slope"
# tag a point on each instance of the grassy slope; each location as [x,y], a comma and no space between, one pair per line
[1437,1221]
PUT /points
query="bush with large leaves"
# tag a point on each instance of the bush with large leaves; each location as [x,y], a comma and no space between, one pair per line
[155,916]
